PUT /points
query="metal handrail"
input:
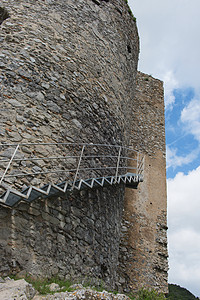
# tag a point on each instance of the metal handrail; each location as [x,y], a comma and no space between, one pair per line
[78,167]
[8,166]
[13,197]
[64,171]
[115,165]
[68,156]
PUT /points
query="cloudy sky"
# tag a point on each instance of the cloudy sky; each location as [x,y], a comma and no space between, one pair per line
[170,50]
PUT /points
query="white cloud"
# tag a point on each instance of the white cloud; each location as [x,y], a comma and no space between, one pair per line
[190,123]
[170,48]
[169,40]
[170,83]
[185,262]
[182,191]
[184,234]
[190,117]
[174,160]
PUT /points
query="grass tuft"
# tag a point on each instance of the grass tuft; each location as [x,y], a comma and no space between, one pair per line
[42,286]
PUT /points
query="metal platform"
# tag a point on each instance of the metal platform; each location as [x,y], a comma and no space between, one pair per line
[96,165]
[12,197]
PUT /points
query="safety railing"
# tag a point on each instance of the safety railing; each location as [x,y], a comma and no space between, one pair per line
[36,164]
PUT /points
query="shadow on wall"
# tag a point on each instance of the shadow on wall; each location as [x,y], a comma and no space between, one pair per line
[74,236]
[3,14]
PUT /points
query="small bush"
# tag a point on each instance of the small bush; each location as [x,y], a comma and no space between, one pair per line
[130,11]
[149,295]
[42,285]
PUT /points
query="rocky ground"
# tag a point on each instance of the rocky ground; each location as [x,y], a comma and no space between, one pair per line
[21,290]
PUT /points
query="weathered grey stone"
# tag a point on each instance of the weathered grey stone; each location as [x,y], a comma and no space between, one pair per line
[36,169]
[20,289]
[77,123]
[40,97]
[10,151]
[14,102]
[14,136]
[53,106]
[28,137]
[95,105]
[23,73]
[45,85]
[54,287]
[76,286]
[81,293]
[66,224]
[50,219]
[19,119]
[36,181]
[40,163]
[73,80]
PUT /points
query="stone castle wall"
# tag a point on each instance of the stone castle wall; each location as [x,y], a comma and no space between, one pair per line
[143,253]
[68,73]
[75,237]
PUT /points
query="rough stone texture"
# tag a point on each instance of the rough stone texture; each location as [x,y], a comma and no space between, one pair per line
[3,14]
[21,290]
[88,294]
[148,123]
[143,250]
[16,290]
[68,73]
[76,236]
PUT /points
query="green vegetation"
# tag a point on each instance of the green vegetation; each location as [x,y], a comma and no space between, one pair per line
[178,293]
[144,294]
[42,286]
[150,295]
[130,12]
[175,291]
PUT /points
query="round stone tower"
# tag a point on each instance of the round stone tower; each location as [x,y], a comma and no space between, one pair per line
[67,72]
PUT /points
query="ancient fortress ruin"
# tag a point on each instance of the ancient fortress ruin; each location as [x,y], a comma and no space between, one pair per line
[82,150]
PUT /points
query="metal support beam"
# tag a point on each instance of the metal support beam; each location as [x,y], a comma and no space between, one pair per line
[75,177]
[118,161]
[8,166]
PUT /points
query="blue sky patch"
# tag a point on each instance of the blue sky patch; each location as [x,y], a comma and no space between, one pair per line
[183,144]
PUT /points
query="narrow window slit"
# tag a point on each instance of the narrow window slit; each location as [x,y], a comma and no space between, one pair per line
[129,48]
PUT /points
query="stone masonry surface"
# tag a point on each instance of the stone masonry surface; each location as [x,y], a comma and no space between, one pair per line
[73,237]
[143,250]
[148,124]
[68,72]
[68,75]
[21,290]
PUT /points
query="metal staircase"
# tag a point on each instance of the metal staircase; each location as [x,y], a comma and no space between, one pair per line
[110,168]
